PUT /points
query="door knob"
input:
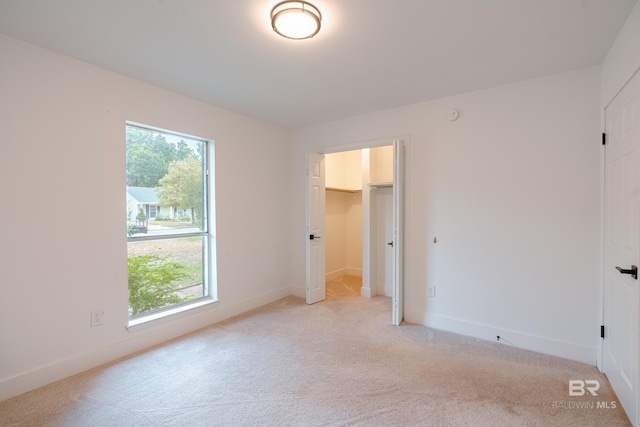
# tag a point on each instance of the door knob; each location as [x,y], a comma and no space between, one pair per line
[390,243]
[633,271]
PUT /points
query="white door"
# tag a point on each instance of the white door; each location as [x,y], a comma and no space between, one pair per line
[389,253]
[398,244]
[315,229]
[621,240]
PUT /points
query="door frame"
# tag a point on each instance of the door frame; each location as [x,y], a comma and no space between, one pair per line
[399,207]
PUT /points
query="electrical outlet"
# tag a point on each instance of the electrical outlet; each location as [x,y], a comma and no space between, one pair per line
[97,316]
[431,291]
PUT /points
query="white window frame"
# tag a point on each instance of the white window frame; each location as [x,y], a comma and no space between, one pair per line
[209,298]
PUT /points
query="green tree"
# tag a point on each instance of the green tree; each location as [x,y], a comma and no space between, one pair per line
[149,155]
[151,282]
[144,167]
[183,151]
[182,186]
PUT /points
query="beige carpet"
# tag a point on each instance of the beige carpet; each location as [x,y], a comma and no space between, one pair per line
[335,363]
[345,286]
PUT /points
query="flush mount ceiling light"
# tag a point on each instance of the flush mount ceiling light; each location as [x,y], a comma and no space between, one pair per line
[295,20]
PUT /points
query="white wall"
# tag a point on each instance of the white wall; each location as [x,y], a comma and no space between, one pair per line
[343,228]
[381,159]
[335,169]
[344,170]
[354,235]
[354,169]
[511,191]
[337,204]
[623,59]
[62,145]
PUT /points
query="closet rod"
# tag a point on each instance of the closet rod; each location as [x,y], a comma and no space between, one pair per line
[341,190]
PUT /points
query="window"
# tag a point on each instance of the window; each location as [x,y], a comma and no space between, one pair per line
[169,254]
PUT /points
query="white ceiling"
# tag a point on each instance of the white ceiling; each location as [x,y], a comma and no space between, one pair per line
[370,55]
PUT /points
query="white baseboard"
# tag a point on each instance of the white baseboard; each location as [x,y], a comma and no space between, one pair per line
[298,291]
[134,342]
[347,271]
[334,275]
[355,272]
[366,292]
[522,340]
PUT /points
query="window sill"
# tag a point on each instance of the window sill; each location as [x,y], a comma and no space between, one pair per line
[159,318]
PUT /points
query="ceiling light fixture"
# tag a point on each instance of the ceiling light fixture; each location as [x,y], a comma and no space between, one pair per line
[297,20]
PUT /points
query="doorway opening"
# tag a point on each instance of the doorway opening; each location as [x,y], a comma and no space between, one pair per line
[356,243]
[349,175]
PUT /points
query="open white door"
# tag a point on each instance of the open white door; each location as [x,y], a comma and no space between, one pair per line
[315,229]
[621,245]
[398,241]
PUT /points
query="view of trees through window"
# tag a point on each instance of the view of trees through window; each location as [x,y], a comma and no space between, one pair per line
[167,230]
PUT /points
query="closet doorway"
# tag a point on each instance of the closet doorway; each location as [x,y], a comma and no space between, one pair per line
[354,224]
[343,223]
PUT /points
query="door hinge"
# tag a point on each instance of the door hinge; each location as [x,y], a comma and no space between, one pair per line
[604,138]
[601,331]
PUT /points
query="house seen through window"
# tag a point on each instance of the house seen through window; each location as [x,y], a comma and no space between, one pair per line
[168,223]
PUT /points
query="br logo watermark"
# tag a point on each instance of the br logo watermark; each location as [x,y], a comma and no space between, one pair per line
[588,388]
[580,388]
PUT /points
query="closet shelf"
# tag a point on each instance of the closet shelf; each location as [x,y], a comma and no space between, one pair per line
[380,184]
[343,190]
